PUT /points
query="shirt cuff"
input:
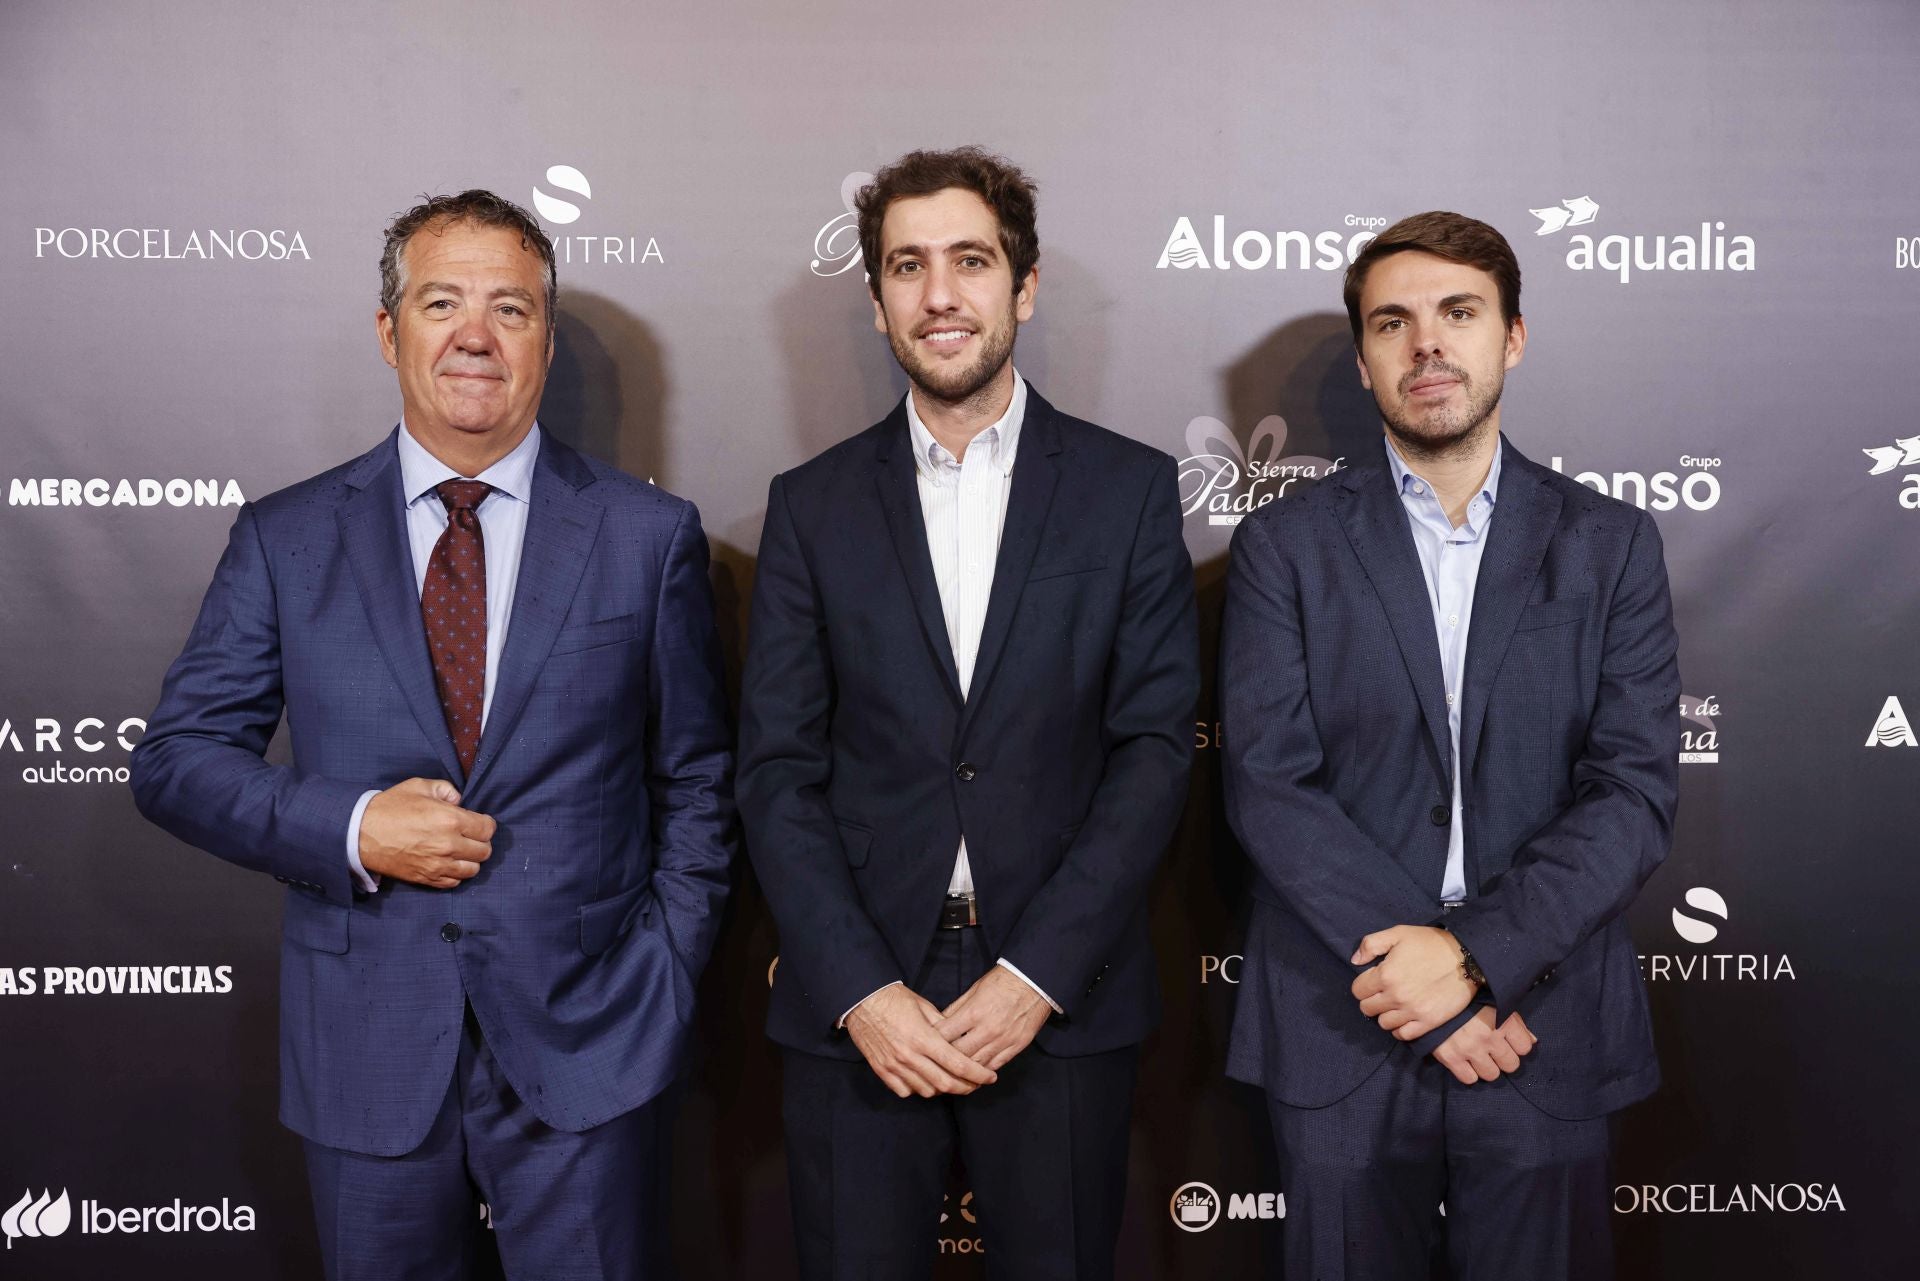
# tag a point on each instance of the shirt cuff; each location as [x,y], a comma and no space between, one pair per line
[863,1000]
[1013,969]
[368,881]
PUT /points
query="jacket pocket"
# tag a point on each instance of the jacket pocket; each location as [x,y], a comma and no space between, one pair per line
[316,924]
[857,841]
[1552,613]
[1067,565]
[605,631]
[609,919]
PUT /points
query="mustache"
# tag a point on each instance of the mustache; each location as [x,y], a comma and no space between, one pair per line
[1432,369]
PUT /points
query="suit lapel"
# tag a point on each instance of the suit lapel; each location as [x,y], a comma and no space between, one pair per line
[900,498]
[1526,512]
[1376,527]
[1035,474]
[561,527]
[373,531]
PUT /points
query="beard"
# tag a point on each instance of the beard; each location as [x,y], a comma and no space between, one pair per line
[1441,430]
[957,386]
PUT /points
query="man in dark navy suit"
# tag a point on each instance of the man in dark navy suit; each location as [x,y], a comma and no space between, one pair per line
[507,821]
[1452,736]
[967,720]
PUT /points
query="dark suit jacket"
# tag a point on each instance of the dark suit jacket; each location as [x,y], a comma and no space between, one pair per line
[604,761]
[1066,767]
[1337,755]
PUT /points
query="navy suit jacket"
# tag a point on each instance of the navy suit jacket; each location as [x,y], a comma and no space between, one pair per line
[1065,767]
[604,761]
[1338,761]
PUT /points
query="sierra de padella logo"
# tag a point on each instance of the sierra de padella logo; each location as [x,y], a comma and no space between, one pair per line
[42,1217]
[836,246]
[628,249]
[1901,453]
[1699,737]
[1891,727]
[1225,480]
[1621,255]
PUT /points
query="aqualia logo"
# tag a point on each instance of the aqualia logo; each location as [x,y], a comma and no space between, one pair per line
[836,246]
[1622,255]
[630,250]
[1901,453]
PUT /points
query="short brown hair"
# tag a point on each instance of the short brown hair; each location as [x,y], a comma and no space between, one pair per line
[1454,237]
[1006,190]
[475,207]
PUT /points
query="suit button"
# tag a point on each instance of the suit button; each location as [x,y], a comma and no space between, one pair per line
[450,932]
[1441,816]
[964,772]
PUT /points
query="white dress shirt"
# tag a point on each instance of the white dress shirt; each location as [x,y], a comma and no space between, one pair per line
[503,529]
[1450,560]
[963,505]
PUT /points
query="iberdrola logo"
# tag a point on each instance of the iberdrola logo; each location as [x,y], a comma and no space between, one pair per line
[41,1217]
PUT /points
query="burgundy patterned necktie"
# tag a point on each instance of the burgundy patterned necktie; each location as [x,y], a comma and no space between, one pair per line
[453,603]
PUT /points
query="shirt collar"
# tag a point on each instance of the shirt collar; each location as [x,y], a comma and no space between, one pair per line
[1002,438]
[1403,480]
[421,472]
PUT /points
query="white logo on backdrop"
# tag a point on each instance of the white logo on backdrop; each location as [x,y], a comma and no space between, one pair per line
[244,244]
[628,250]
[1577,212]
[1663,491]
[1195,1207]
[45,1217]
[1699,745]
[1737,1198]
[1706,901]
[1226,481]
[1255,248]
[1890,728]
[53,491]
[1622,255]
[1901,453]
[554,209]
[48,736]
[115,980]
[836,246]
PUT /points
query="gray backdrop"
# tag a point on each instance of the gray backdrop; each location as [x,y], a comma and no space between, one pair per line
[188,248]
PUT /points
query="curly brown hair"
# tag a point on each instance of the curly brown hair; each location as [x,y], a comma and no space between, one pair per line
[1005,189]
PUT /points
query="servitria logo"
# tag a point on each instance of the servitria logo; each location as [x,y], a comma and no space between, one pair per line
[1703,921]
[629,249]
[836,246]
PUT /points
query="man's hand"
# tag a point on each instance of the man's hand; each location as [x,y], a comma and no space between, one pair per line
[994,1019]
[1417,986]
[896,1029]
[416,831]
[1478,1051]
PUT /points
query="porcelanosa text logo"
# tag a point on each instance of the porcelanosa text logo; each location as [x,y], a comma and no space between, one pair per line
[1734,1198]
[1705,917]
[44,1216]
[1712,249]
[629,250]
[47,1216]
[836,246]
[1699,736]
[116,980]
[45,742]
[1694,486]
[1222,480]
[54,491]
[1220,969]
[1255,248]
[173,244]
[1891,727]
[1901,453]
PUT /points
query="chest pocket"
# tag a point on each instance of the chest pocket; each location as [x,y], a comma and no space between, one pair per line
[605,631]
[1552,613]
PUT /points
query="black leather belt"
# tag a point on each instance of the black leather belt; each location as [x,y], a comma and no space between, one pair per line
[959,912]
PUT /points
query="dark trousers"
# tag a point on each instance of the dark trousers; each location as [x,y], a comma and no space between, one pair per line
[564,1206]
[1045,1150]
[1527,1196]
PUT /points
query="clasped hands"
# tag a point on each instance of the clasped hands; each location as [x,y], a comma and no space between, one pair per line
[916,1048]
[1418,985]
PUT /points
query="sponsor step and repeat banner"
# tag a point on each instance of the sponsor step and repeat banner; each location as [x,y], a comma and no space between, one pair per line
[1715,207]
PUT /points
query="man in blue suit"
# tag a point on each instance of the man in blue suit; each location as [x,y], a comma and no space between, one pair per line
[1452,736]
[966,724]
[506,827]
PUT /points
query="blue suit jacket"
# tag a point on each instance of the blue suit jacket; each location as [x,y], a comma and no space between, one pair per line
[1337,757]
[604,761]
[1065,767]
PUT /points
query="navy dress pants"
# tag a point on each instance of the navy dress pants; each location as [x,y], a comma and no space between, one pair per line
[564,1207]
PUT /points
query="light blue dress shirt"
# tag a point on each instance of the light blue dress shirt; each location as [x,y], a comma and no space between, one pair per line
[1450,561]
[503,529]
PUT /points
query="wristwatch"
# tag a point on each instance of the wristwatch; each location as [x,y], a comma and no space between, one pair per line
[1469,968]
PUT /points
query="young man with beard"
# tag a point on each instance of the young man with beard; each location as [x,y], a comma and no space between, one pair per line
[1451,729]
[966,726]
